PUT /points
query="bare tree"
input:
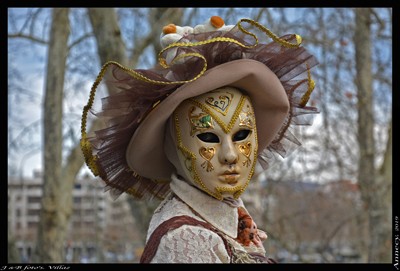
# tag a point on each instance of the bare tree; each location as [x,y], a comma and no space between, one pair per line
[54,216]
[371,185]
[384,198]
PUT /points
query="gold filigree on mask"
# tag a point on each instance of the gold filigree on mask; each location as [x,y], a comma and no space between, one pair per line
[227,127]
[246,119]
[221,104]
[208,154]
[236,191]
[246,149]
[188,161]
[199,122]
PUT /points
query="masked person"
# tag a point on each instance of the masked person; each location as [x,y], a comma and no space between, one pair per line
[192,130]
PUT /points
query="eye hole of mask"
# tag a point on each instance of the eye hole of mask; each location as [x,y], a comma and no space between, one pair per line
[241,135]
[208,137]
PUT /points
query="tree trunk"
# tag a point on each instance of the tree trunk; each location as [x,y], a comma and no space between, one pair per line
[110,46]
[384,184]
[54,215]
[371,188]
[13,255]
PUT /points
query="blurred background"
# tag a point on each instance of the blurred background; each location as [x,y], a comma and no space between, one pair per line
[330,201]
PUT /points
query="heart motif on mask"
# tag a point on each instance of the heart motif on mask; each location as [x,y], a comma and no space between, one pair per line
[221,104]
[207,153]
[245,149]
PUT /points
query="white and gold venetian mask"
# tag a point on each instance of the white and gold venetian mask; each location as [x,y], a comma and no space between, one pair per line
[216,139]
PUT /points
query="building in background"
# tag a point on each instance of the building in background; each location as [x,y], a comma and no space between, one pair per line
[100,229]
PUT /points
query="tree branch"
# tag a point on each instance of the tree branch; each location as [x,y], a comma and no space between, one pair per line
[28,37]
[80,39]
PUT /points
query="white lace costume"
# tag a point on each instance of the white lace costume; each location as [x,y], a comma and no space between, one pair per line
[196,244]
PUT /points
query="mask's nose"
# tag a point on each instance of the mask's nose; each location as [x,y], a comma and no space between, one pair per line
[228,153]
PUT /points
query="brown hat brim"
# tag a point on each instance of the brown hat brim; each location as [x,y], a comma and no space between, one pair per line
[145,153]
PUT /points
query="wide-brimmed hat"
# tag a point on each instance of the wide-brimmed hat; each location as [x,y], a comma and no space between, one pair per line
[128,154]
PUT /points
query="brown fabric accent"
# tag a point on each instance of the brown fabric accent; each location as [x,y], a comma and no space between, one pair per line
[171,224]
[261,258]
[246,229]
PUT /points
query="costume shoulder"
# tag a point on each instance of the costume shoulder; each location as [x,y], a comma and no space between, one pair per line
[191,244]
